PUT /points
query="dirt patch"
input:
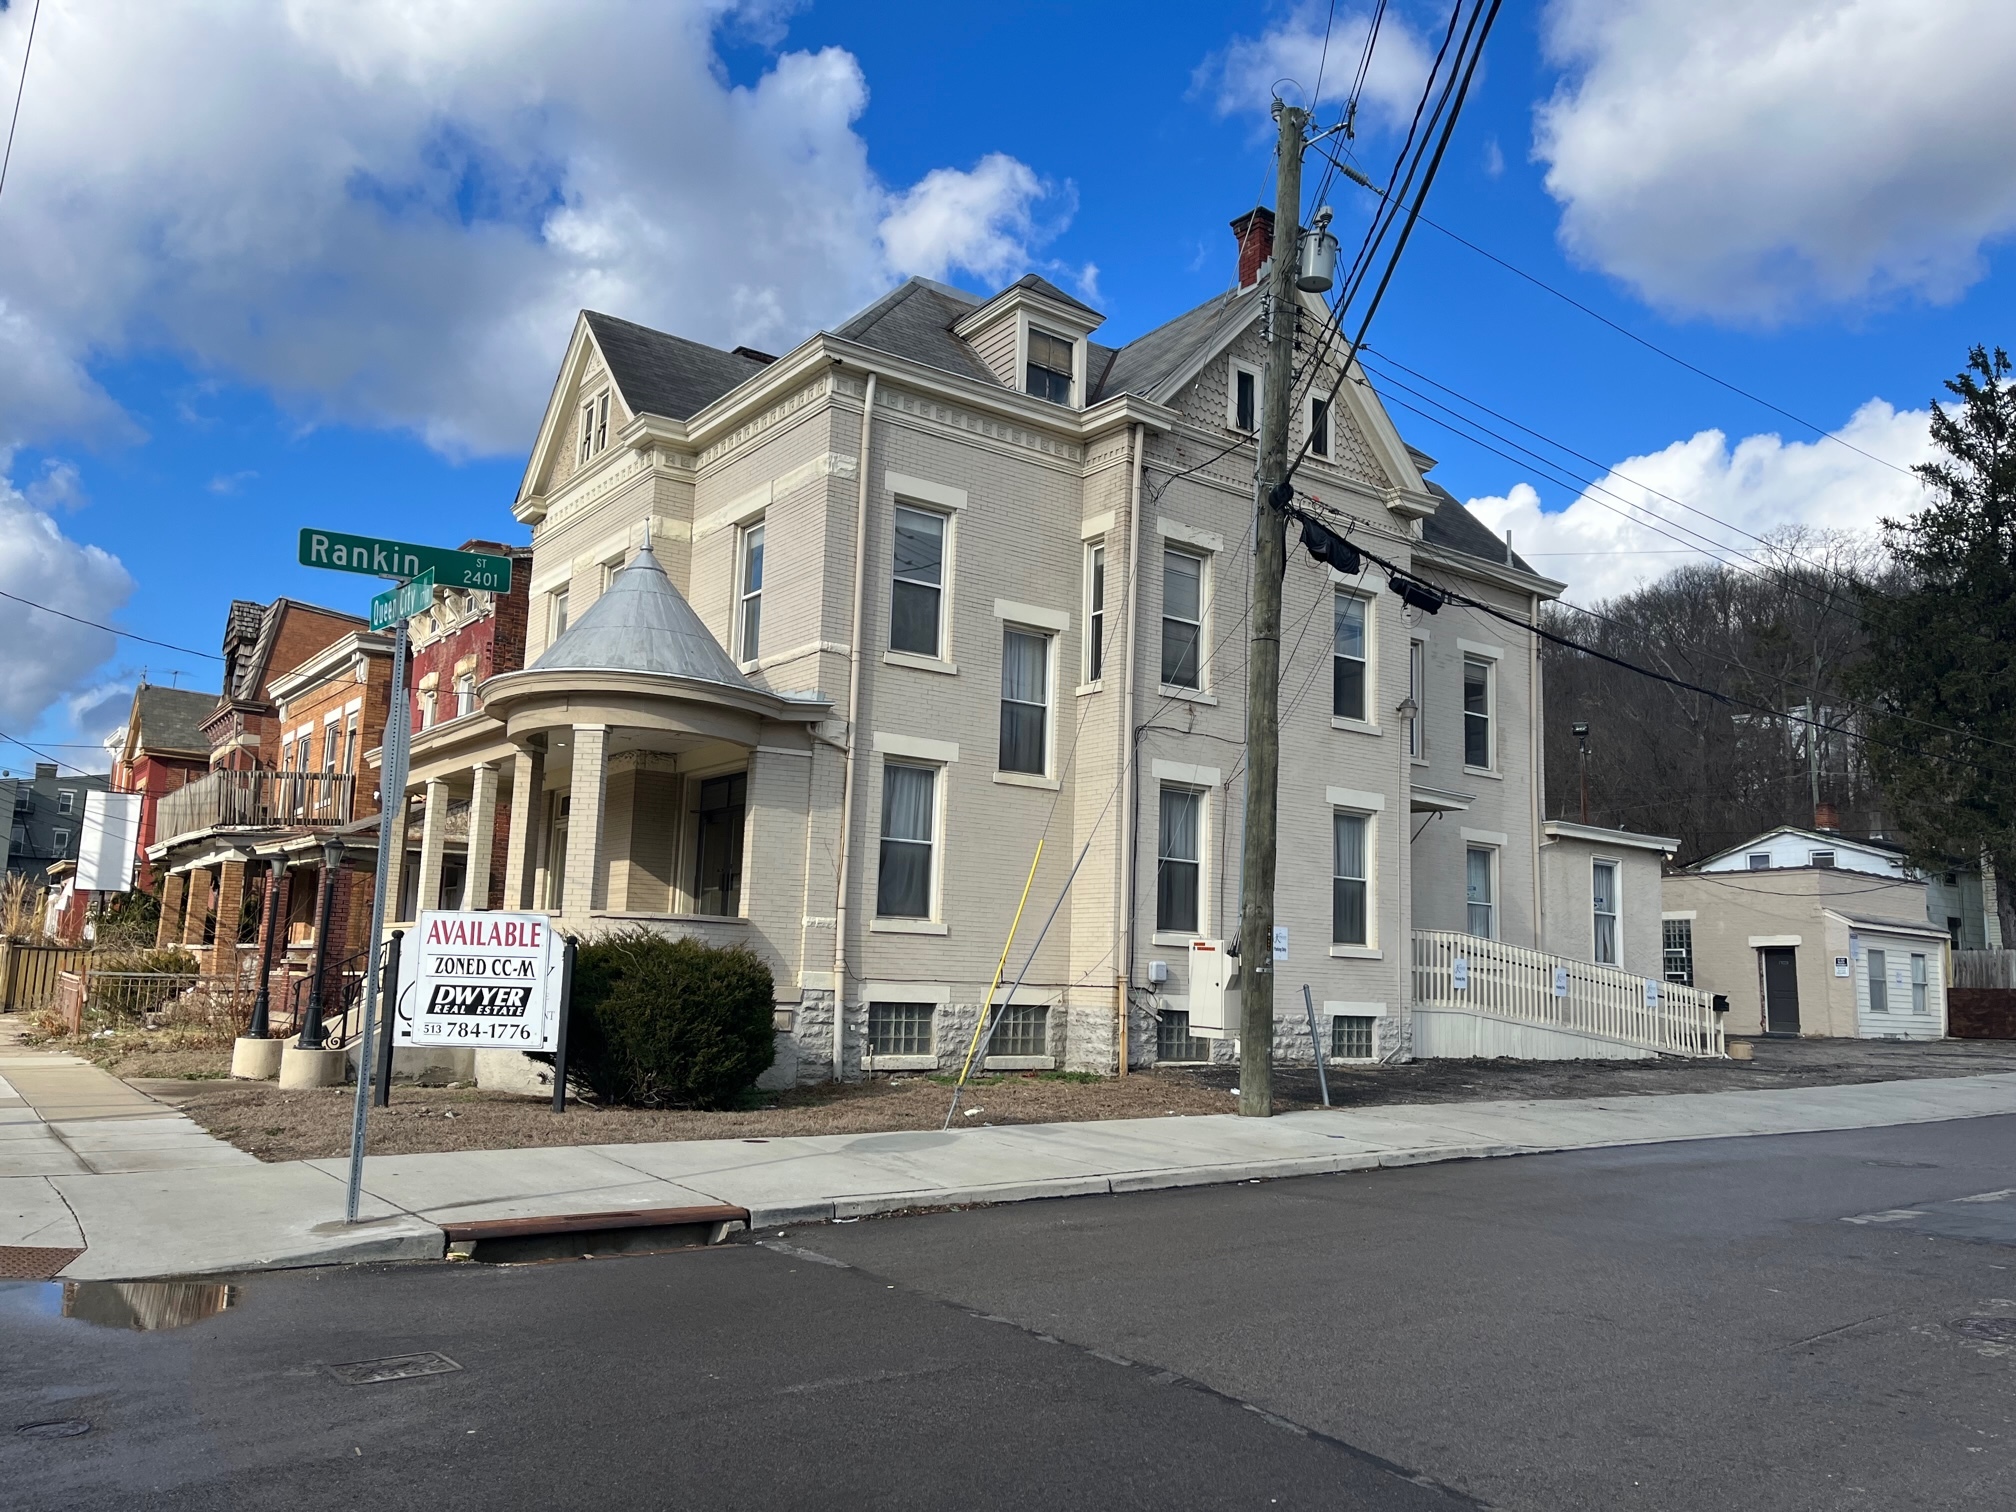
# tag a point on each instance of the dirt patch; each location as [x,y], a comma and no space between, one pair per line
[276,1125]
[164,1053]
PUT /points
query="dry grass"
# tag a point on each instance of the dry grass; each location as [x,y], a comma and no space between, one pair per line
[20,909]
[276,1125]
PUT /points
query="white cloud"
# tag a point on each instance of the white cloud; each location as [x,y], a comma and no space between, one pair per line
[50,659]
[1751,161]
[1290,55]
[387,211]
[1609,542]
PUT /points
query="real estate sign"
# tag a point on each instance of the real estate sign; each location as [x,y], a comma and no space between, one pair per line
[485,981]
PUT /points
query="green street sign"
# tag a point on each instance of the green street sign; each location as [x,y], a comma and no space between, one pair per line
[374,557]
[403,602]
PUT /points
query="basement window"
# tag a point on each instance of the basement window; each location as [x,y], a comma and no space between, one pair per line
[1024,1030]
[1351,1037]
[900,1028]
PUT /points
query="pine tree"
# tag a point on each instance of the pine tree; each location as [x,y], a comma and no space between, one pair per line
[1939,680]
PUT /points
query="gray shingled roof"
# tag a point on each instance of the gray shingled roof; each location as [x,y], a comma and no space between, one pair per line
[642,624]
[1453,526]
[915,320]
[1147,364]
[1040,285]
[666,375]
[171,719]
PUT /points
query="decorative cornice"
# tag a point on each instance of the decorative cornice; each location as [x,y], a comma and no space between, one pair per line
[958,418]
[819,388]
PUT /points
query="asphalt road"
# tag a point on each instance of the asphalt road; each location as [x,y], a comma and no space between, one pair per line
[1682,1326]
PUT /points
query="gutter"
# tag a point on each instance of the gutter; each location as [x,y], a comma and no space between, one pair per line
[853,738]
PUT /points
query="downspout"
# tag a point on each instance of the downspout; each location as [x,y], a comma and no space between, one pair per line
[1129,798]
[853,739]
[1534,718]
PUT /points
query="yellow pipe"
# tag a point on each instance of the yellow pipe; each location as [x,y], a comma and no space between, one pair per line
[1007,945]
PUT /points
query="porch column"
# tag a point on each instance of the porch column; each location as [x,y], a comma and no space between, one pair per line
[230,905]
[198,903]
[395,875]
[587,791]
[169,930]
[433,832]
[528,777]
[482,835]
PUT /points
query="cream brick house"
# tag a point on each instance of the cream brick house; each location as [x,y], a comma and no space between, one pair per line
[822,645]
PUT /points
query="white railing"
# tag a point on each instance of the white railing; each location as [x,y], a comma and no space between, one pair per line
[1553,992]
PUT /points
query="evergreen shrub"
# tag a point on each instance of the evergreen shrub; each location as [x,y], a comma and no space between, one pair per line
[658,1022]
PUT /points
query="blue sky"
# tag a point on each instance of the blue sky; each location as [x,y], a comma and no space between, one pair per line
[332,288]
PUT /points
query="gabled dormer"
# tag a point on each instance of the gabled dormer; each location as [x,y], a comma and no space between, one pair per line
[1033,337]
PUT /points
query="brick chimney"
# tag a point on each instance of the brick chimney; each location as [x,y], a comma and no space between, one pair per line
[1255,230]
[1825,817]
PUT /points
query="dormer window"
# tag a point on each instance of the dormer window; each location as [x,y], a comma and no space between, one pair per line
[1047,373]
[594,427]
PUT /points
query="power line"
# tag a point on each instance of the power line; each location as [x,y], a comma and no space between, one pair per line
[20,89]
[1359,178]
[38,751]
[111,629]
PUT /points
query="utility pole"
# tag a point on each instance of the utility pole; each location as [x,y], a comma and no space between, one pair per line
[1263,667]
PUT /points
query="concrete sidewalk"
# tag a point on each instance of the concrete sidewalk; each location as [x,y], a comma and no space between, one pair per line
[223,1217]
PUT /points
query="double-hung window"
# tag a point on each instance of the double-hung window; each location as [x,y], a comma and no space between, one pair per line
[594,426]
[350,736]
[66,800]
[1025,701]
[1476,712]
[1879,981]
[559,615]
[917,599]
[1245,399]
[1319,427]
[717,883]
[1095,611]
[465,694]
[1047,374]
[1348,658]
[1349,924]
[1417,666]
[1178,846]
[1480,879]
[1182,619]
[1920,986]
[1677,939]
[909,831]
[332,739]
[750,629]
[61,841]
[1603,903]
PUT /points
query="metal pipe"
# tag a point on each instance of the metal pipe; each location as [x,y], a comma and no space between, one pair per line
[1129,798]
[853,739]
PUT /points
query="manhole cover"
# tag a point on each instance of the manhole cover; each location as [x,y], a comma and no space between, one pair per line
[1994,1330]
[60,1428]
[393,1368]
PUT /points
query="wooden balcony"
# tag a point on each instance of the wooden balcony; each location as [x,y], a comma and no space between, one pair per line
[257,800]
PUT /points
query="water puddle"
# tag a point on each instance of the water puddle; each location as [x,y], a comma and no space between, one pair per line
[139,1306]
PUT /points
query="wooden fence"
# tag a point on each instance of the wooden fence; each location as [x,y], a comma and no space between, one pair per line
[28,973]
[1984,968]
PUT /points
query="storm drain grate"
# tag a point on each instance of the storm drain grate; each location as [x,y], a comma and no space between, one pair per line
[1992,1330]
[31,1262]
[393,1368]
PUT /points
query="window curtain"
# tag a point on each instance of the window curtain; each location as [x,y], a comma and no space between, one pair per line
[908,803]
[1605,889]
[1024,700]
[1176,873]
[1477,875]
[1347,886]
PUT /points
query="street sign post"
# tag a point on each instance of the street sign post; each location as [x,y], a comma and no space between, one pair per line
[402,603]
[374,556]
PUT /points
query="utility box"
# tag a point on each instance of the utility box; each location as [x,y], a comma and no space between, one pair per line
[1214,990]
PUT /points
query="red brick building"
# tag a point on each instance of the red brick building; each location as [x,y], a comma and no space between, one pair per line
[162,749]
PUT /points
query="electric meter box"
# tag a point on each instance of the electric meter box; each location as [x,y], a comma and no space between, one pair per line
[1214,990]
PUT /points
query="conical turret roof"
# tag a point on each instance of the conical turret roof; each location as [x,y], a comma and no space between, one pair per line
[642,624]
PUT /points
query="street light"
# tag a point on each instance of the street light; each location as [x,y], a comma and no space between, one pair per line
[1580,729]
[311,1030]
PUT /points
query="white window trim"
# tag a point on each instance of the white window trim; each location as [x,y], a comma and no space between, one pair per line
[902,992]
[1203,790]
[1490,663]
[1234,366]
[1493,845]
[1207,558]
[1336,1010]
[1103,618]
[1207,541]
[1616,912]
[1341,586]
[743,653]
[1185,775]
[1417,689]
[946,562]
[1022,327]
[1054,621]
[918,663]
[1689,914]
[915,748]
[925,494]
[1097,527]
[932,923]
[1053,640]
[1369,812]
